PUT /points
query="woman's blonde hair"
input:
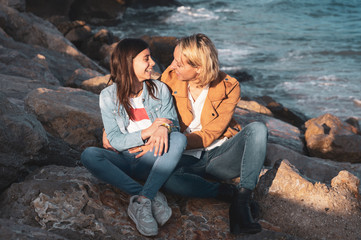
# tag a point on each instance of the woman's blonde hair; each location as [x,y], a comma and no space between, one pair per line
[200,52]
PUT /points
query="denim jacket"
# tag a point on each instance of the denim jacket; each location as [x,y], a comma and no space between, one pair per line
[115,122]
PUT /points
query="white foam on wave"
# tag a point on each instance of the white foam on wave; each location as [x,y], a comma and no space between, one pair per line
[189,14]
[227,10]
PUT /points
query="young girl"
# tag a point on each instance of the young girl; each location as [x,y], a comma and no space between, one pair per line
[138,113]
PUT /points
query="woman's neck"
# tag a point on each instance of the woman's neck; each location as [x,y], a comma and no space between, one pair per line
[194,89]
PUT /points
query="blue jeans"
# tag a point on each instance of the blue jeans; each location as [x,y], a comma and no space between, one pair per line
[241,156]
[120,169]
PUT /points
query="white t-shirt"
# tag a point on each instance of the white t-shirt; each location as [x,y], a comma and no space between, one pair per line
[141,119]
[195,125]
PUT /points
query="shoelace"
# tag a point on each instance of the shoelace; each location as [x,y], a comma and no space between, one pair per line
[146,212]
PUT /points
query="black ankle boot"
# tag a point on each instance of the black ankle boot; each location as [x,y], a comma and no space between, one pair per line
[226,192]
[240,217]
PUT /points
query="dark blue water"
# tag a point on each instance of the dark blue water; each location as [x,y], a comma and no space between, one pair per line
[305,54]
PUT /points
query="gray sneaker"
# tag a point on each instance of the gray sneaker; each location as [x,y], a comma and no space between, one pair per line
[140,211]
[161,210]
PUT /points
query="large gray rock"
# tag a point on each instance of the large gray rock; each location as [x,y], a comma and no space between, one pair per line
[79,76]
[67,113]
[98,12]
[17,4]
[34,62]
[49,8]
[279,132]
[254,107]
[96,84]
[311,211]
[317,169]
[328,137]
[30,29]
[21,137]
[13,230]
[20,132]
[71,203]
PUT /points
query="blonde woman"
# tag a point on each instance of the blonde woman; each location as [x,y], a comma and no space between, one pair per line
[217,147]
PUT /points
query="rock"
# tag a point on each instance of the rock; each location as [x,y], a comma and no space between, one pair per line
[280,112]
[328,137]
[102,39]
[278,131]
[71,203]
[354,122]
[79,33]
[79,76]
[104,53]
[70,114]
[254,107]
[317,169]
[146,4]
[19,60]
[20,132]
[311,211]
[106,12]
[162,49]
[17,4]
[12,168]
[36,63]
[21,137]
[48,8]
[12,230]
[30,29]
[96,84]
[243,76]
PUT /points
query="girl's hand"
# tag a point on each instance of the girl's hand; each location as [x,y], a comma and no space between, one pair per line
[148,132]
[159,141]
[106,143]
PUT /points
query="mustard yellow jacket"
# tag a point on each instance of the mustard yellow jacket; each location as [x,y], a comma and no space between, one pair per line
[218,109]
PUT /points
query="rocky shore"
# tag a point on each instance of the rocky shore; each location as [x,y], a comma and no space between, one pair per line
[52,68]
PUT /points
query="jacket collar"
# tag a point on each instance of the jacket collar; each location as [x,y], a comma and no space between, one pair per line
[217,88]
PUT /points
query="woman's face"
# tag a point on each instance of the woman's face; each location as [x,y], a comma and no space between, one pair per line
[143,65]
[184,71]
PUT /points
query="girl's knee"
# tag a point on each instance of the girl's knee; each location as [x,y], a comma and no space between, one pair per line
[88,155]
[178,139]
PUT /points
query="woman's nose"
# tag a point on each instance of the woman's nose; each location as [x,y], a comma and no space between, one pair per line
[173,65]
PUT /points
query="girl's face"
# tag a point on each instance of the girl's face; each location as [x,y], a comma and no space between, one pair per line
[184,71]
[143,65]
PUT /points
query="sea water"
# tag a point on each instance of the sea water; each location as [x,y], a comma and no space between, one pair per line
[305,54]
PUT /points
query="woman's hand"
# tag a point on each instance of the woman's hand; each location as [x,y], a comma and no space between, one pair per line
[106,143]
[148,132]
[141,149]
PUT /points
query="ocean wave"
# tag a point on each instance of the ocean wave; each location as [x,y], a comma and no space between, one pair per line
[189,14]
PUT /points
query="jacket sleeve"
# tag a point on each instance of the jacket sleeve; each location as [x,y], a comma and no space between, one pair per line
[109,111]
[168,109]
[218,125]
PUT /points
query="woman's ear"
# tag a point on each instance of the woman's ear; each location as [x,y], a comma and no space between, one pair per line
[198,70]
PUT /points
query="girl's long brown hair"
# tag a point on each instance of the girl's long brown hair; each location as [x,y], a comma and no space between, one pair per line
[122,71]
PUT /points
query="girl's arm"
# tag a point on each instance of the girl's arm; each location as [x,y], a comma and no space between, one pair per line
[110,116]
